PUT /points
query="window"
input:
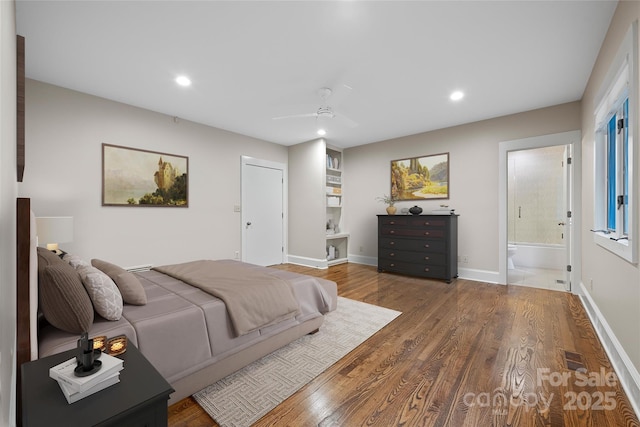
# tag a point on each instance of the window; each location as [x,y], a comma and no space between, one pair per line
[617,152]
[615,128]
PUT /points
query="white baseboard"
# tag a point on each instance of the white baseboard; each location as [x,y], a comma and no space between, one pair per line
[366,260]
[307,262]
[479,275]
[626,371]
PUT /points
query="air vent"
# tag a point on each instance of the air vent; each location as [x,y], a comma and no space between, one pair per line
[139,268]
[574,360]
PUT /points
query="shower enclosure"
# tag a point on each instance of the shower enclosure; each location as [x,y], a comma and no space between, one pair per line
[536,210]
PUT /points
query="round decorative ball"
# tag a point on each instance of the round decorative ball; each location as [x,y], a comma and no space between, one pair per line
[416,210]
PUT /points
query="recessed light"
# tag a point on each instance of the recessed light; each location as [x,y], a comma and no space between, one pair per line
[322,132]
[457,95]
[183,81]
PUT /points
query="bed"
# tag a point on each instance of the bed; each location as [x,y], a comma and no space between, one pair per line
[192,330]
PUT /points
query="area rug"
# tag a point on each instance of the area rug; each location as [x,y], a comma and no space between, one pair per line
[242,398]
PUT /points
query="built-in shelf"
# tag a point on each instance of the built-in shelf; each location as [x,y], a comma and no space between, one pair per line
[336,243]
[337,236]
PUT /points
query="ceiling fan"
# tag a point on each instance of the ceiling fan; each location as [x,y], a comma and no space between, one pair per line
[324,112]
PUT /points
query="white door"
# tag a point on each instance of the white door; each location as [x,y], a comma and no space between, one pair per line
[262,212]
[568,219]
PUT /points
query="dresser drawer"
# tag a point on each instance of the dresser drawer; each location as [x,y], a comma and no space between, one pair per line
[438,271]
[411,232]
[416,221]
[395,220]
[426,222]
[422,245]
[424,258]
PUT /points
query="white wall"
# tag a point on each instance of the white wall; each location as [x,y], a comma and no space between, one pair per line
[610,282]
[64,132]
[8,193]
[473,183]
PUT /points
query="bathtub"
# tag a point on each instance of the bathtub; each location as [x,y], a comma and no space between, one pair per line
[539,255]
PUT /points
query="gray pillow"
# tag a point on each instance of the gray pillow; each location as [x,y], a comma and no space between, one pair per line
[130,287]
[63,299]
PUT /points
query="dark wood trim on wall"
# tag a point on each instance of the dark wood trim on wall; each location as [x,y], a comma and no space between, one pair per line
[23,340]
[20,107]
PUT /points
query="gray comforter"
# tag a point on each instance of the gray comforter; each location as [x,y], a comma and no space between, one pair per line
[254,298]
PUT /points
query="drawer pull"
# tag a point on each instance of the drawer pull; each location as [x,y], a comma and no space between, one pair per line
[392,265]
[426,258]
[426,233]
[426,269]
[392,232]
[392,222]
[392,243]
[427,223]
[426,246]
[392,254]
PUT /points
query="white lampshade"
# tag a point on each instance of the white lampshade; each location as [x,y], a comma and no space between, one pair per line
[52,230]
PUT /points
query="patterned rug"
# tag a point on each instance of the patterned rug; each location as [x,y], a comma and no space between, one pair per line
[243,397]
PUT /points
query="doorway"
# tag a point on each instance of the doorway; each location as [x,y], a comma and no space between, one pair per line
[263,213]
[546,242]
[536,215]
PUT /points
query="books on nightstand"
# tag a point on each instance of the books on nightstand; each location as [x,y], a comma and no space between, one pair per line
[76,388]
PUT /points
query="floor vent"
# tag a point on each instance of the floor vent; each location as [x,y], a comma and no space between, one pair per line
[139,268]
[574,360]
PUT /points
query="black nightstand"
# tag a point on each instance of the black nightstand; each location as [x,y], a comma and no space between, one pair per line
[139,399]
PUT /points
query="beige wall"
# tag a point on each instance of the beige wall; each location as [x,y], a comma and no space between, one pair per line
[65,132]
[616,283]
[473,170]
[307,214]
[8,193]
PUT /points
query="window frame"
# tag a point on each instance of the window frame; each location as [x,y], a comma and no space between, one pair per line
[618,97]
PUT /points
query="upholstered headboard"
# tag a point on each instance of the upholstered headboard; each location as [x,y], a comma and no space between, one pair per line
[33,286]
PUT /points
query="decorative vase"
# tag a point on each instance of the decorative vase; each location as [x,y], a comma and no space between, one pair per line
[391,210]
[416,210]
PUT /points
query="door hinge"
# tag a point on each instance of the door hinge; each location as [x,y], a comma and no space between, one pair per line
[568,160]
[568,214]
[569,268]
[620,125]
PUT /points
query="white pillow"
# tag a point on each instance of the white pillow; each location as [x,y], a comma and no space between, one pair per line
[104,294]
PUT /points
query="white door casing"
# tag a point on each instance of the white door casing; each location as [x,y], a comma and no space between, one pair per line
[572,138]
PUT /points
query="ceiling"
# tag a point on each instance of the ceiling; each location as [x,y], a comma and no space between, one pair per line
[390,64]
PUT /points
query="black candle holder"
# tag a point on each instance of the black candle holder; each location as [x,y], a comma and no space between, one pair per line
[87,357]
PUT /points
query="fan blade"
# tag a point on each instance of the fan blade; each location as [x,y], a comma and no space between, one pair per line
[295,116]
[346,120]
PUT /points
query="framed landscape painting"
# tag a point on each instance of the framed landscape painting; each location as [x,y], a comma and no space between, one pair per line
[420,178]
[134,177]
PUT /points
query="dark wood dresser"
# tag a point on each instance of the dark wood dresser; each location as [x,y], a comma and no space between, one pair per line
[419,245]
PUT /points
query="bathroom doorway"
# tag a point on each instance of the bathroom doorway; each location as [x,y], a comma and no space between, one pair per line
[537,192]
[538,260]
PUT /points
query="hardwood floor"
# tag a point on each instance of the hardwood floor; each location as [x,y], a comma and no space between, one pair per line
[461,354]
